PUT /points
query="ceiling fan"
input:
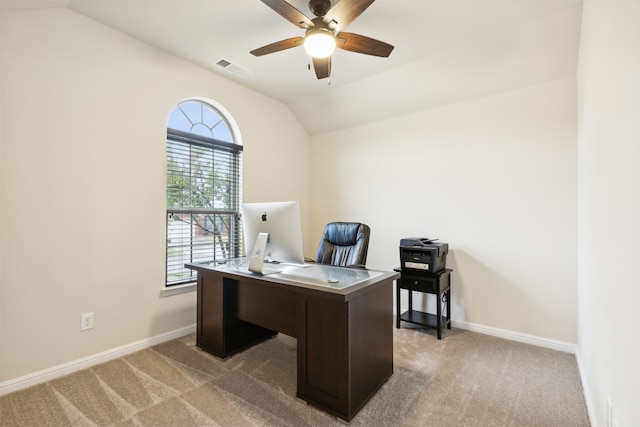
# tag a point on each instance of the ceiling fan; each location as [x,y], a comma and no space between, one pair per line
[323,33]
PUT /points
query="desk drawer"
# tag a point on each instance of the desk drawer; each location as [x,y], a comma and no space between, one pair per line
[423,283]
[419,284]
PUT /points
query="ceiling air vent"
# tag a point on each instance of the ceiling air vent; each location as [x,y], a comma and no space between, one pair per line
[233,68]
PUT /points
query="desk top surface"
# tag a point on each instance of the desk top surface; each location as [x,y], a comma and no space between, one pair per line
[325,276]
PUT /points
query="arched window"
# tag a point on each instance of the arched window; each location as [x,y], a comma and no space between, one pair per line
[204,171]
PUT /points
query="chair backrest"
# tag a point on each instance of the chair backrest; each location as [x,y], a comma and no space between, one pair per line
[344,244]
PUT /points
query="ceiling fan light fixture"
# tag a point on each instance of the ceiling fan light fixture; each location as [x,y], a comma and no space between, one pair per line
[319,43]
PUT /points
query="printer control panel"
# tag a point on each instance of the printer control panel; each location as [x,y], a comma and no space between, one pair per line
[416,265]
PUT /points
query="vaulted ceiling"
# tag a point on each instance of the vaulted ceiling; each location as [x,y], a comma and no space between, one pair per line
[446,51]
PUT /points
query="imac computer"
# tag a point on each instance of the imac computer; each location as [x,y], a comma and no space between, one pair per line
[272,235]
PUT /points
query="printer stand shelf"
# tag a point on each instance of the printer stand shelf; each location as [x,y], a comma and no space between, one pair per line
[433,283]
[425,319]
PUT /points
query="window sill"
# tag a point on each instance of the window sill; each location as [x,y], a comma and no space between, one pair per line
[170,291]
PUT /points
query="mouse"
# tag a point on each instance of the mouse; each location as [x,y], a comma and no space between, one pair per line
[333,280]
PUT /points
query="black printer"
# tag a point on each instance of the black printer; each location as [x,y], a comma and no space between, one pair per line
[423,254]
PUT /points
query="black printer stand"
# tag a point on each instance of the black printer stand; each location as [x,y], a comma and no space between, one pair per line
[433,283]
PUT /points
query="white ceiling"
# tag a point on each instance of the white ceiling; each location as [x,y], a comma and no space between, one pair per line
[446,51]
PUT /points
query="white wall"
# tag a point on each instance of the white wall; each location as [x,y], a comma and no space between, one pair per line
[84,111]
[495,178]
[609,209]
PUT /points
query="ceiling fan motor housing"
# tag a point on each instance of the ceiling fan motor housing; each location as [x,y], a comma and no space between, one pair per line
[319,7]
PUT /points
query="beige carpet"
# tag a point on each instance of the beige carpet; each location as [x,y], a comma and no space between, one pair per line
[465,379]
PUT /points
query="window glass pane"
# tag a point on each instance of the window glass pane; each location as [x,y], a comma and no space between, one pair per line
[192,110]
[210,118]
[177,120]
[201,177]
[178,169]
[201,129]
[222,132]
[224,184]
[198,238]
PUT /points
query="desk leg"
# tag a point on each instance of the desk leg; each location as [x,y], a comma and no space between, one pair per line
[439,313]
[449,308]
[398,304]
[448,295]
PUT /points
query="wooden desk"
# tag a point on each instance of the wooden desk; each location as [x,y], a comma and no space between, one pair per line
[344,331]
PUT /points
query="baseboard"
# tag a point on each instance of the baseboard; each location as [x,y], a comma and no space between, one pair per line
[516,336]
[86,362]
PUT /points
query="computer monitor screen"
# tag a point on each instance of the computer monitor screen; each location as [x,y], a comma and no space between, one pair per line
[282,221]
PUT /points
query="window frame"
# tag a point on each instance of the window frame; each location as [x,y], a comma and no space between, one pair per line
[177,140]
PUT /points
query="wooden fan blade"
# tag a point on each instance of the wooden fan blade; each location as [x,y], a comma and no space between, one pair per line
[343,13]
[362,44]
[290,13]
[278,46]
[322,66]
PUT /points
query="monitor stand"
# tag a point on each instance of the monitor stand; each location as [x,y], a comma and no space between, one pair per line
[256,261]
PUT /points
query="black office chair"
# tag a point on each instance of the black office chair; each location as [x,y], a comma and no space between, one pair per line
[344,244]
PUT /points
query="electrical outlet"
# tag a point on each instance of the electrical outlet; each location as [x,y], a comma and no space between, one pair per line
[86,321]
